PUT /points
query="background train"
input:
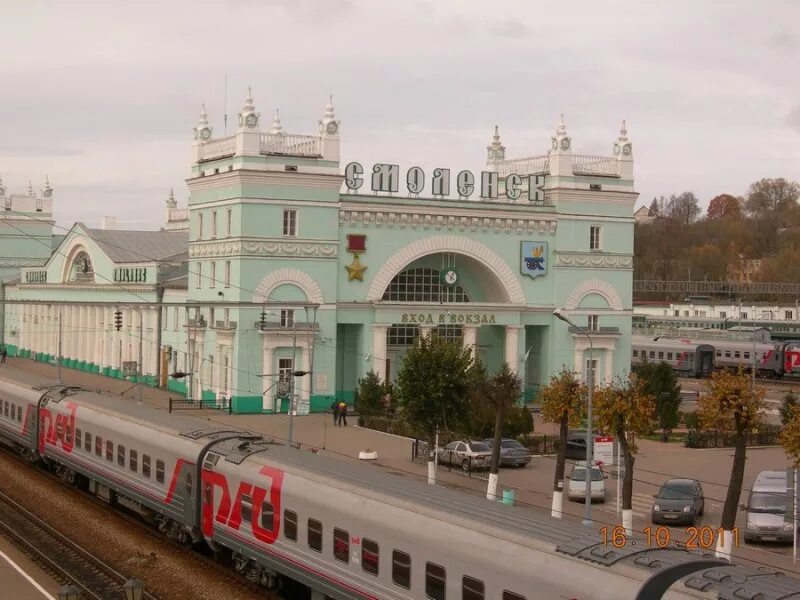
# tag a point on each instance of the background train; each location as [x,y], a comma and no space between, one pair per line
[345,529]
[700,357]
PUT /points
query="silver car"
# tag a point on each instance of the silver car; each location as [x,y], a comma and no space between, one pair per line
[576,489]
[469,454]
[766,509]
[512,453]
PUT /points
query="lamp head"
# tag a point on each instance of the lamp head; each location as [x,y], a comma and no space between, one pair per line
[559,314]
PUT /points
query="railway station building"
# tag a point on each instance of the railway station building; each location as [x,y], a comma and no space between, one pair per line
[288,258]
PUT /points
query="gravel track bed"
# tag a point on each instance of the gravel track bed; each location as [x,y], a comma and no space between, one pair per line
[168,571]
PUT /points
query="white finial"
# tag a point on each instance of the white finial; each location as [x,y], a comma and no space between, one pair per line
[496,136]
[623,132]
[203,121]
[171,200]
[496,151]
[329,114]
[562,128]
[47,182]
[277,129]
[248,102]
[30,188]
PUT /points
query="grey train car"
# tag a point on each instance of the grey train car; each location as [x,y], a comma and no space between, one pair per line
[768,360]
[348,531]
[687,357]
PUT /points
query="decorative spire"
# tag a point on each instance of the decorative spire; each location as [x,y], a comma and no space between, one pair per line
[171,203]
[30,188]
[47,191]
[328,125]
[623,132]
[329,116]
[277,128]
[561,142]
[202,130]
[623,146]
[495,151]
[248,118]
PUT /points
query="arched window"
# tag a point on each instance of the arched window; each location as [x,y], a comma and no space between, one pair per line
[422,285]
[81,269]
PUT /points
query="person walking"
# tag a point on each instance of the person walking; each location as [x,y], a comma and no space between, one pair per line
[335,411]
[3,355]
[342,413]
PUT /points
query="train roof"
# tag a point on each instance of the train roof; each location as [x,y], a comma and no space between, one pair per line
[670,343]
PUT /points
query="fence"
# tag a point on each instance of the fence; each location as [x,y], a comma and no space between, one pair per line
[765,436]
[223,404]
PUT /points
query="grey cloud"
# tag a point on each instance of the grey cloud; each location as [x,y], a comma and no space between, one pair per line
[510,28]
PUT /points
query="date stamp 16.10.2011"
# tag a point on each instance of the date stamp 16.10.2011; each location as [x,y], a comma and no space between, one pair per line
[703,538]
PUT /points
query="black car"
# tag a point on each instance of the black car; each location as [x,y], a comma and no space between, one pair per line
[576,446]
[678,501]
[512,453]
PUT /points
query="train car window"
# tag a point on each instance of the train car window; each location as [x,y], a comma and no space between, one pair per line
[189,482]
[341,545]
[747,355]
[98,446]
[5,408]
[146,465]
[435,581]
[109,451]
[736,354]
[160,471]
[290,525]
[472,589]
[247,508]
[512,596]
[370,556]
[315,535]
[401,569]
[719,353]
[78,438]
[19,414]
[87,442]
[133,458]
[68,434]
[635,352]
[59,427]
[267,517]
[727,353]
[121,455]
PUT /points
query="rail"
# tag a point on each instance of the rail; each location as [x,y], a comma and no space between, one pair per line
[66,560]
[222,404]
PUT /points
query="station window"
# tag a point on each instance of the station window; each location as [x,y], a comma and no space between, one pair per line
[743,315]
[290,525]
[652,354]
[133,461]
[315,535]
[635,352]
[213,277]
[341,545]
[370,556]
[98,446]
[718,353]
[199,281]
[110,450]
[594,237]
[121,455]
[401,569]
[247,508]
[787,314]
[213,224]
[435,581]
[78,438]
[472,589]
[512,596]
[227,273]
[160,471]
[660,356]
[267,517]
[594,323]
[290,222]
[669,355]
[199,226]
[146,465]
[228,216]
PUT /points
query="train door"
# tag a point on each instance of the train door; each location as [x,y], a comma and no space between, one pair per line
[706,362]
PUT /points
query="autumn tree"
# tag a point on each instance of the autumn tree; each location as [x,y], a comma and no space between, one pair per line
[731,406]
[433,383]
[724,206]
[500,393]
[770,197]
[625,409]
[683,209]
[788,407]
[790,439]
[564,404]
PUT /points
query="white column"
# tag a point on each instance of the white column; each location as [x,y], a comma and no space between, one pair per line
[154,349]
[512,347]
[36,327]
[379,350]
[91,334]
[267,383]
[82,333]
[470,337]
[52,349]
[425,330]
[579,364]
[608,366]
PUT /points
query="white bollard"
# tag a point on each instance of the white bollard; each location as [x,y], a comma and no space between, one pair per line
[491,489]
[724,549]
[555,511]
[431,473]
[627,520]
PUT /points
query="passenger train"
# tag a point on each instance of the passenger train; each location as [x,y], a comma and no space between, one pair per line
[699,357]
[345,529]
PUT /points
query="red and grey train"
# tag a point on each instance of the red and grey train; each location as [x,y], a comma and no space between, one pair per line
[344,529]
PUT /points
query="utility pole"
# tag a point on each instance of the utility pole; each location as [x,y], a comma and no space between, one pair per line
[291,380]
[58,358]
[139,369]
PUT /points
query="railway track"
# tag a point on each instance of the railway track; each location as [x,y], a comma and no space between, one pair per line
[64,559]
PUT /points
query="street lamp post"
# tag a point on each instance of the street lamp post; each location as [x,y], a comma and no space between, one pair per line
[587,519]
[68,592]
[134,589]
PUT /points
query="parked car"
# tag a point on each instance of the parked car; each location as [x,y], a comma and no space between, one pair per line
[678,501]
[468,454]
[766,509]
[576,489]
[576,446]
[512,453]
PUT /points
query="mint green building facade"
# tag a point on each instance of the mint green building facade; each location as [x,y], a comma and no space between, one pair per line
[298,262]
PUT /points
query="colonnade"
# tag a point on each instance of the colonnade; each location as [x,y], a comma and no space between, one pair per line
[89,339]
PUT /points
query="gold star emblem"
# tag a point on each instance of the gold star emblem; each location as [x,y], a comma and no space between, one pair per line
[356,270]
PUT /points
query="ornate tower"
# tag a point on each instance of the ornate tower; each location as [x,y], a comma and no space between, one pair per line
[623,151]
[561,151]
[329,132]
[495,152]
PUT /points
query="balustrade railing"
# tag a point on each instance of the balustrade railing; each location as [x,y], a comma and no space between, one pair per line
[295,145]
[217,148]
[585,164]
[531,165]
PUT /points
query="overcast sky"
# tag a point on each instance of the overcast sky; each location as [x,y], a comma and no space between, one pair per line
[102,96]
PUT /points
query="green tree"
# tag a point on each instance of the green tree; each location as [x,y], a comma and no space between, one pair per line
[731,406]
[625,409]
[501,393]
[370,395]
[564,404]
[433,383]
[788,407]
[661,382]
[478,419]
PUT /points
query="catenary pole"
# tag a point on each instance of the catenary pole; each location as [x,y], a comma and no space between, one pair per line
[58,358]
[291,381]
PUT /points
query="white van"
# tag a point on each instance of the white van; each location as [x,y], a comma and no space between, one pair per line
[766,509]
